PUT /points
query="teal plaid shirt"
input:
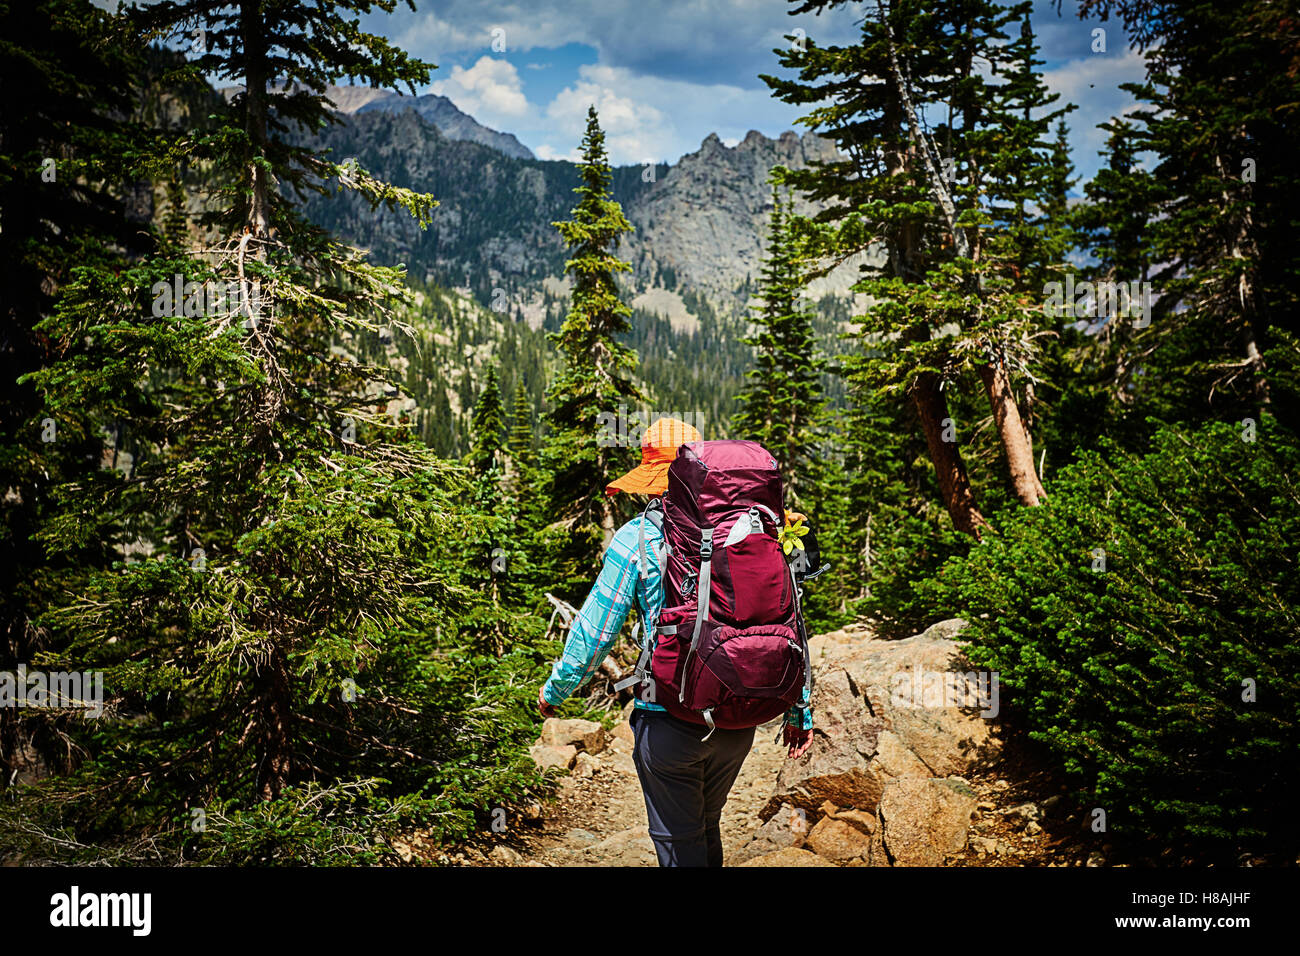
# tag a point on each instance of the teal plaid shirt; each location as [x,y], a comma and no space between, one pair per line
[598,623]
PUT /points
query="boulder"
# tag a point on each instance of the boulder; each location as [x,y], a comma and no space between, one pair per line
[860,820]
[547,757]
[787,828]
[583,734]
[788,857]
[835,768]
[945,630]
[897,677]
[838,841]
[893,759]
[922,821]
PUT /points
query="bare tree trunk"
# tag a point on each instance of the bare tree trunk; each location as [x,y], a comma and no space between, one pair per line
[274,716]
[949,468]
[259,213]
[1243,247]
[1012,433]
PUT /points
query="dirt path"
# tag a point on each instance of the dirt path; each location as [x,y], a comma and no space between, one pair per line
[1021,815]
[601,820]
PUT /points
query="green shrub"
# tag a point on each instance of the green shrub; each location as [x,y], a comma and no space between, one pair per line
[1135,675]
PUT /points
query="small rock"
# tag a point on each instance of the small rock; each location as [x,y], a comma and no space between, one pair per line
[983,846]
[787,828]
[583,734]
[1023,815]
[1000,785]
[531,812]
[1096,858]
[946,630]
[585,765]
[505,856]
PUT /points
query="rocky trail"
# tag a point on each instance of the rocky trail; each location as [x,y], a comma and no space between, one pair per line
[909,767]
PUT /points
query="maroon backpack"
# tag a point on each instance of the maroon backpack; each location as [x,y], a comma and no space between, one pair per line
[730,648]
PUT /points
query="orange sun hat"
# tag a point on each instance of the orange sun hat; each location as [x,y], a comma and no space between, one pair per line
[659,447]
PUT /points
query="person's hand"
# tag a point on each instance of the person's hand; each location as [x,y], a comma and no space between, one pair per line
[797,740]
[547,709]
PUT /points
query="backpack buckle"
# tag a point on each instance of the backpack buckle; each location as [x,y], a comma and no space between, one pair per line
[706,544]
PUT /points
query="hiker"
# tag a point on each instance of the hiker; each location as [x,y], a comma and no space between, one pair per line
[686,765]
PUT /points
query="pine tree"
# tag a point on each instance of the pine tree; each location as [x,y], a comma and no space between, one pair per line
[948,204]
[1221,87]
[287,543]
[598,368]
[67,84]
[489,430]
[782,405]
[1019,249]
[892,188]
[1114,226]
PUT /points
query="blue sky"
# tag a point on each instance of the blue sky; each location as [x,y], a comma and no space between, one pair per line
[666,73]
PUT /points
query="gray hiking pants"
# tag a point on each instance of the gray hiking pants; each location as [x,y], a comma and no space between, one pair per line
[686,782]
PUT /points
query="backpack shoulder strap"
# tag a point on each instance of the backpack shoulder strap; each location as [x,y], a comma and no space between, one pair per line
[654,513]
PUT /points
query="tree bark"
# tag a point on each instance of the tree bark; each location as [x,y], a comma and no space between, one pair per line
[255,117]
[1013,434]
[949,468]
[274,716]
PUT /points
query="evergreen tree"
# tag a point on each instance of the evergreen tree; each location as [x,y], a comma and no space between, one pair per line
[489,430]
[520,441]
[781,407]
[1223,339]
[891,188]
[597,374]
[282,538]
[950,205]
[67,151]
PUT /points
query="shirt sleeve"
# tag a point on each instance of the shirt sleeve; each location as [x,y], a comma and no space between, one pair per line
[598,623]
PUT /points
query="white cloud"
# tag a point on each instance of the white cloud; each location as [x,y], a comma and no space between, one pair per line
[634,129]
[711,40]
[649,119]
[1092,82]
[490,91]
